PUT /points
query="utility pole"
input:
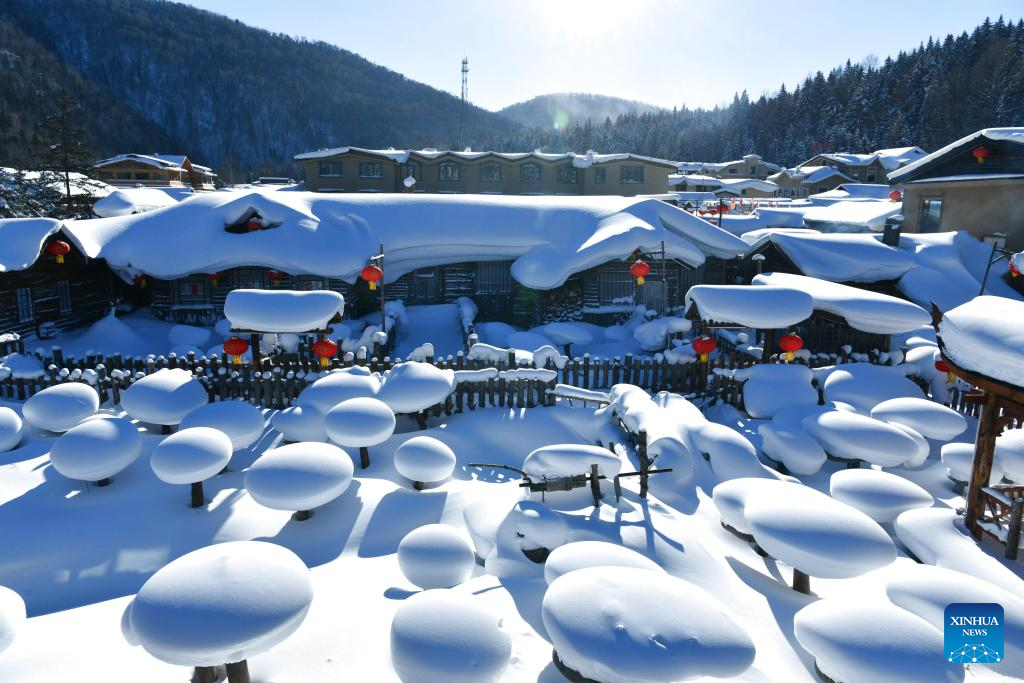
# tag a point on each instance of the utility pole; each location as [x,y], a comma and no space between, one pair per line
[465,96]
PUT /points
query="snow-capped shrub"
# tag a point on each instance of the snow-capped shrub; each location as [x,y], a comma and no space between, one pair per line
[164,398]
[412,387]
[300,423]
[360,422]
[864,386]
[96,449]
[338,386]
[882,496]
[299,476]
[583,554]
[61,407]
[959,461]
[800,453]
[858,437]
[436,556]
[527,535]
[12,616]
[928,418]
[241,421]
[424,459]
[10,429]
[767,388]
[191,456]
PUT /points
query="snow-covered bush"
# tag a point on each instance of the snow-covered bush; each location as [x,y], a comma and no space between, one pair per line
[61,407]
[436,556]
[527,535]
[928,418]
[566,460]
[1010,454]
[412,387]
[959,461]
[360,423]
[190,457]
[241,421]
[12,616]
[424,460]
[882,496]
[794,448]
[731,454]
[338,386]
[282,310]
[767,388]
[164,398]
[96,449]
[864,385]
[300,423]
[583,554]
[858,437]
[10,429]
[299,477]
[467,312]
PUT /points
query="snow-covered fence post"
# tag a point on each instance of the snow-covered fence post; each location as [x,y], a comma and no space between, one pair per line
[58,356]
[645,464]
[627,369]
[586,370]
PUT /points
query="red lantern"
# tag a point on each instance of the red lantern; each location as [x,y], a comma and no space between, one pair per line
[895,196]
[791,343]
[276,276]
[980,153]
[372,274]
[254,223]
[140,280]
[702,212]
[639,270]
[235,348]
[704,346]
[214,278]
[1015,263]
[58,248]
[325,350]
[942,366]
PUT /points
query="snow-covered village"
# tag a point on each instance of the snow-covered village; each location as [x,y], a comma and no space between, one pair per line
[387,370]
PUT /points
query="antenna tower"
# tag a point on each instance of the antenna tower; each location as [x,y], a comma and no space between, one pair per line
[465,96]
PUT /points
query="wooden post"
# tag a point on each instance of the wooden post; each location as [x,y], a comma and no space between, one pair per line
[238,672]
[364,457]
[204,674]
[645,464]
[984,450]
[801,582]
[302,515]
[254,343]
[198,499]
[769,342]
[1013,531]
[595,485]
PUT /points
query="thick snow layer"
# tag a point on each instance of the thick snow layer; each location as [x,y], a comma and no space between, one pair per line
[882,496]
[10,429]
[670,422]
[731,454]
[731,497]
[932,420]
[583,554]
[338,386]
[282,310]
[563,460]
[855,216]
[756,307]
[96,449]
[12,616]
[300,423]
[442,635]
[858,437]
[436,556]
[622,625]
[1010,454]
[841,257]
[222,603]
[654,335]
[22,239]
[863,310]
[864,385]
[59,408]
[241,421]
[20,366]
[984,336]
[794,448]
[359,422]
[412,387]
[191,455]
[767,388]
[959,461]
[872,641]
[529,525]
[299,476]
[924,449]
[164,398]
[333,235]
[125,201]
[566,333]
[425,459]
[189,335]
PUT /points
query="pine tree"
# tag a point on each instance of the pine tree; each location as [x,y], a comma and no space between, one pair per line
[64,149]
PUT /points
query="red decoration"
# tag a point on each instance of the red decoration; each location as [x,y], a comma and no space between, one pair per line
[791,343]
[58,248]
[372,274]
[195,288]
[253,224]
[942,366]
[895,196]
[140,280]
[980,153]
[639,270]
[1014,270]
[214,278]
[276,276]
[325,349]
[704,346]
[235,348]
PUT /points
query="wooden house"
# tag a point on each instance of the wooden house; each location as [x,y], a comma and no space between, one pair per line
[155,170]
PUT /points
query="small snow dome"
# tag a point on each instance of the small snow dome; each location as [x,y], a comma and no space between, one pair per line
[96,449]
[436,556]
[338,386]
[241,421]
[61,407]
[959,461]
[624,625]
[282,310]
[425,459]
[800,453]
[191,455]
[873,641]
[300,423]
[882,496]
[164,398]
[10,429]
[12,616]
[442,635]
[922,448]
[299,476]
[412,387]
[530,529]
[222,603]
[864,385]
[1010,454]
[767,388]
[360,422]
[858,437]
[582,554]
[730,453]
[730,497]
[928,418]
[564,460]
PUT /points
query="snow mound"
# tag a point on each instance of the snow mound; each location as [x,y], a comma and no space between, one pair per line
[565,333]
[564,460]
[12,616]
[731,454]
[959,461]
[412,387]
[191,455]
[222,603]
[338,386]
[241,421]
[767,388]
[266,310]
[436,556]
[22,240]
[425,459]
[530,529]
[983,336]
[882,496]
[188,335]
[622,625]
[442,635]
[858,437]
[864,385]
[360,422]
[757,307]
[59,408]
[730,497]
[299,476]
[124,201]
[10,429]
[928,418]
[873,641]
[1010,454]
[300,423]
[20,366]
[653,335]
[164,398]
[794,448]
[583,554]
[96,449]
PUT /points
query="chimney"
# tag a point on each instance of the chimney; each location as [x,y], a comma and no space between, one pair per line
[891,231]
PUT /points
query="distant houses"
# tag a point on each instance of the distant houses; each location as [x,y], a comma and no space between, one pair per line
[155,170]
[825,172]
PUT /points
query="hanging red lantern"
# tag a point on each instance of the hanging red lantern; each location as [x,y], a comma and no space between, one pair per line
[639,270]
[325,350]
[57,249]
[195,288]
[140,280]
[980,153]
[791,343]
[276,276]
[254,223]
[214,278]
[235,348]
[1016,262]
[705,346]
[895,196]
[702,212]
[942,366]
[372,274]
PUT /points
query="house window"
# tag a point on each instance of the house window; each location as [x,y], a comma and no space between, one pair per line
[370,169]
[634,175]
[612,285]
[490,172]
[25,305]
[330,169]
[530,173]
[142,176]
[931,214]
[753,171]
[493,278]
[64,296]
[123,175]
[822,188]
[567,174]
[310,285]
[411,171]
[190,290]
[449,170]
[599,176]
[870,178]
[733,170]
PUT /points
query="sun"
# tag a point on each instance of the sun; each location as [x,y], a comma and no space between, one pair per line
[583,18]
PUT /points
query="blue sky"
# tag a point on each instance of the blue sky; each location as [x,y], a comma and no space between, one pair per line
[666,52]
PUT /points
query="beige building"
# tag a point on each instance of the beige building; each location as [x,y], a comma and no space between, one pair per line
[868,168]
[974,184]
[352,169]
[750,166]
[804,181]
[154,170]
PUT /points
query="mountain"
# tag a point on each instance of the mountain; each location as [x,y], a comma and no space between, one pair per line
[562,110]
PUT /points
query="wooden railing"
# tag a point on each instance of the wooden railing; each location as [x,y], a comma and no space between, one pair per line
[1004,505]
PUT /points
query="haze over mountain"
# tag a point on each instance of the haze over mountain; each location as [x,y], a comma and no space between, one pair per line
[562,110]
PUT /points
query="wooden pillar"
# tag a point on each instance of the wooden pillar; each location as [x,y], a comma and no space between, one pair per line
[801,582]
[1013,530]
[769,343]
[238,672]
[254,342]
[984,450]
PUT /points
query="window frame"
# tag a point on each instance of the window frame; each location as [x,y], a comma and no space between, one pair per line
[23,299]
[493,278]
[563,169]
[455,166]
[64,304]
[531,165]
[924,224]
[411,170]
[491,165]
[331,164]
[366,169]
[626,169]
[600,176]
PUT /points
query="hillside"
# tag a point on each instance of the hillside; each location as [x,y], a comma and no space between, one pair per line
[563,110]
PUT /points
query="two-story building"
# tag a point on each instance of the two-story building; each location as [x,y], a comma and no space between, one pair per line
[155,170]
[353,169]
[802,181]
[750,166]
[868,168]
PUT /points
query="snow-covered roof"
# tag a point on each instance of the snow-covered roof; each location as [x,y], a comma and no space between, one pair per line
[693,179]
[809,175]
[21,240]
[1015,135]
[737,185]
[162,162]
[986,335]
[840,257]
[333,235]
[850,192]
[757,307]
[404,155]
[895,157]
[690,166]
[124,201]
[853,216]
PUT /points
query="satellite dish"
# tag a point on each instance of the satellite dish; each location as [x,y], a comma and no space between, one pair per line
[409,181]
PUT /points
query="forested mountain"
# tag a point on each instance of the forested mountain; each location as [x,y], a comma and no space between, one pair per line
[565,110]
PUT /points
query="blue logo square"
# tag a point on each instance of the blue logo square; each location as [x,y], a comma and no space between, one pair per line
[974,632]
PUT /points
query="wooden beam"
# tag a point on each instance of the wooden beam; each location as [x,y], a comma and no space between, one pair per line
[981,470]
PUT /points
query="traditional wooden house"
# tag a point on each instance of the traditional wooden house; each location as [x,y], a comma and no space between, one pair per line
[155,170]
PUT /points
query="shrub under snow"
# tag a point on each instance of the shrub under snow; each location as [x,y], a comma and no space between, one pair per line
[424,459]
[10,429]
[241,421]
[583,554]
[164,398]
[96,449]
[299,476]
[436,556]
[61,407]
[191,455]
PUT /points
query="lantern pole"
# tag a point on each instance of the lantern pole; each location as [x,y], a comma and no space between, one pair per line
[664,282]
[993,259]
[383,318]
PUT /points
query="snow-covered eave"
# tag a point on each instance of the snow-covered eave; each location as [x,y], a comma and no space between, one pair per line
[402,156]
[992,134]
[966,178]
[22,251]
[142,159]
